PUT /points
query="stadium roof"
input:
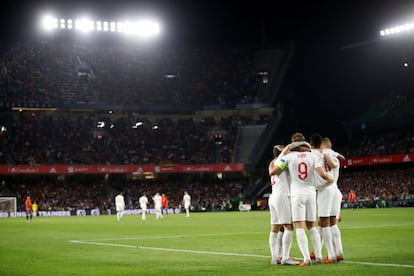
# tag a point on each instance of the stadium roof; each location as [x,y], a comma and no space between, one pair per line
[339,52]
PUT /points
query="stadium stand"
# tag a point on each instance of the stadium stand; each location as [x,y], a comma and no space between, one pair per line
[168,106]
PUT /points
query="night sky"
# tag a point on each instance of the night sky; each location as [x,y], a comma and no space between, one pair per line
[341,64]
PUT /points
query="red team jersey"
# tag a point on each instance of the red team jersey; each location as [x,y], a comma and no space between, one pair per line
[164,201]
[28,204]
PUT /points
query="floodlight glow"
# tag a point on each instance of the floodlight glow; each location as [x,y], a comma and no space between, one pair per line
[140,28]
[91,25]
[69,24]
[120,27]
[62,23]
[397,29]
[147,28]
[128,27]
[112,26]
[99,26]
[49,22]
[77,24]
[55,23]
[86,25]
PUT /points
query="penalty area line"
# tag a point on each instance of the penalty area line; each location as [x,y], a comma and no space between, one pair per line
[218,253]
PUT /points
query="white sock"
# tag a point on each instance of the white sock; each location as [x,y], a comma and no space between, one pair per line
[316,242]
[279,243]
[327,241]
[286,244]
[274,250]
[320,233]
[337,240]
[302,240]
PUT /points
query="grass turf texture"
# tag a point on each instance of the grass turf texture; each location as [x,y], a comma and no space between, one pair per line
[376,242]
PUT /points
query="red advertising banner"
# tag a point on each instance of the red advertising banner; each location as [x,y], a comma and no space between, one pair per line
[119,169]
[171,168]
[379,160]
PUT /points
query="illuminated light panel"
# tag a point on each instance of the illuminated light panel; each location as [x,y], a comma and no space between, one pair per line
[397,29]
[142,28]
[105,26]
[70,24]
[62,23]
[112,26]
[99,26]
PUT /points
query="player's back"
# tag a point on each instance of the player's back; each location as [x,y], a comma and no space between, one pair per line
[301,166]
[143,200]
[280,184]
[334,171]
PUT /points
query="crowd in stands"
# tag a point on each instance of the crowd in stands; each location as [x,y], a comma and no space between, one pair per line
[376,187]
[39,75]
[72,194]
[380,143]
[69,139]
[50,73]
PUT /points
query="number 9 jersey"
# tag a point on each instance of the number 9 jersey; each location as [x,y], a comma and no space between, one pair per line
[301,167]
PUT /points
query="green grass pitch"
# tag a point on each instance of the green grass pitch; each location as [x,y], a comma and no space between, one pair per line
[376,242]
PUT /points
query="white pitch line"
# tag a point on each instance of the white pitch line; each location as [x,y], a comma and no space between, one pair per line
[375,226]
[170,249]
[380,264]
[218,253]
[175,236]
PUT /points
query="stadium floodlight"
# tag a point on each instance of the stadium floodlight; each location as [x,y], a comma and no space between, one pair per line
[120,27]
[397,29]
[62,23]
[140,28]
[147,28]
[105,26]
[69,24]
[77,24]
[49,23]
[112,26]
[86,25]
[99,26]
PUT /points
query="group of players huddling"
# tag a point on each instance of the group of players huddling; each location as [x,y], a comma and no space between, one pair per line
[304,186]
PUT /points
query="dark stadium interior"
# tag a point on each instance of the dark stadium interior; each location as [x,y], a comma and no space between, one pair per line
[224,83]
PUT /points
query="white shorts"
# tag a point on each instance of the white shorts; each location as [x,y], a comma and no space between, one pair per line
[337,203]
[143,208]
[186,205]
[326,201]
[329,202]
[280,209]
[303,208]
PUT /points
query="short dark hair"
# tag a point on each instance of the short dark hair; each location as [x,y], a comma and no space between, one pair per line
[276,152]
[316,140]
[297,137]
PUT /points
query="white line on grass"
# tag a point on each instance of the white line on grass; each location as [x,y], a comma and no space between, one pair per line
[380,264]
[375,226]
[170,249]
[176,236]
[217,253]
